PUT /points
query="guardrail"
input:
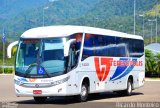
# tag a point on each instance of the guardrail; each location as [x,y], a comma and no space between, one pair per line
[7,69]
[6,66]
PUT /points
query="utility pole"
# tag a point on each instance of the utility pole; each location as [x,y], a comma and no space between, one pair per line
[142,15]
[151,23]
[156,18]
[45,8]
[134,17]
[3,41]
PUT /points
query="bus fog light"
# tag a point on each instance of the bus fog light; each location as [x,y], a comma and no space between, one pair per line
[17,91]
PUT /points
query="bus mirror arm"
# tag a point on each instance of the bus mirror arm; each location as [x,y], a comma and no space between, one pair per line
[67,46]
[9,48]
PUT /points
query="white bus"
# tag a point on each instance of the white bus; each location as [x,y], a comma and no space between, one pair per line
[77,61]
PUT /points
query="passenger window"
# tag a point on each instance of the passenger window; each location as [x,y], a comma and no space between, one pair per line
[112,46]
[89,44]
[75,49]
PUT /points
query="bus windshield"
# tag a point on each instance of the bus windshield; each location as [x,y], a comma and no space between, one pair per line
[40,58]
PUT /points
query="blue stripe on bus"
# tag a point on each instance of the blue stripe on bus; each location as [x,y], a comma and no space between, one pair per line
[127,71]
[119,69]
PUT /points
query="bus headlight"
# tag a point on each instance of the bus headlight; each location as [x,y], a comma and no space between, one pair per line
[17,82]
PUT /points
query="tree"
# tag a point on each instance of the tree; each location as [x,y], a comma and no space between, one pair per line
[158,64]
[150,63]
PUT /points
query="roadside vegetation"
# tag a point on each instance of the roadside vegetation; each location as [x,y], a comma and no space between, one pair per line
[152,66]
[8,61]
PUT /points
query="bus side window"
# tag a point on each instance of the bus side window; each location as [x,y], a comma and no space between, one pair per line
[89,44]
[122,47]
[99,45]
[136,48]
[110,46]
[75,49]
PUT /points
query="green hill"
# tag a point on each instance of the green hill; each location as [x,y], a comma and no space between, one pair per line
[20,15]
[16,16]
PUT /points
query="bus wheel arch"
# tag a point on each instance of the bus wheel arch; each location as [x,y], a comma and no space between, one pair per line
[131,78]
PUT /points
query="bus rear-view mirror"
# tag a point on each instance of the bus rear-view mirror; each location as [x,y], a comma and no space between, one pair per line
[67,46]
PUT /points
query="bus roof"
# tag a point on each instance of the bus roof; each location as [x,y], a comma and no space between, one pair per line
[66,30]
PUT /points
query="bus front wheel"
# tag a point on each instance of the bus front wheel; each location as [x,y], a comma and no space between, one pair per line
[84,93]
[40,99]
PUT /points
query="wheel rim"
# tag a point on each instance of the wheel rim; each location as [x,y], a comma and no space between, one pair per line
[83,91]
[129,88]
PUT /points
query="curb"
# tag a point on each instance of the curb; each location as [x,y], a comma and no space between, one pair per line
[148,79]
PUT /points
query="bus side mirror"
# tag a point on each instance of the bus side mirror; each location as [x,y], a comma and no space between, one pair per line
[67,46]
[9,48]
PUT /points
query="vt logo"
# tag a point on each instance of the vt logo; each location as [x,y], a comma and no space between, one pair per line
[102,66]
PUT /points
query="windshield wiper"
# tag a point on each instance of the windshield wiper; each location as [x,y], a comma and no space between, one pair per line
[47,74]
[30,69]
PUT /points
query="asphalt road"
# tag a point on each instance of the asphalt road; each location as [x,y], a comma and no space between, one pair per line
[149,94]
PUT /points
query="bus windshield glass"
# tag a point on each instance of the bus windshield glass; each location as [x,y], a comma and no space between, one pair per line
[40,58]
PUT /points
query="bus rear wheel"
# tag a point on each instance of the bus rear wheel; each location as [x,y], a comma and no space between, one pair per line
[128,91]
[40,99]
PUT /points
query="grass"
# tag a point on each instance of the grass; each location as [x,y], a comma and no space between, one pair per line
[7,62]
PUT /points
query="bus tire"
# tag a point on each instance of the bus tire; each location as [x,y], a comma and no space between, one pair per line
[40,99]
[128,91]
[84,93]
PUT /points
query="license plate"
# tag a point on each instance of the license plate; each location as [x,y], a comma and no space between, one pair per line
[37,91]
